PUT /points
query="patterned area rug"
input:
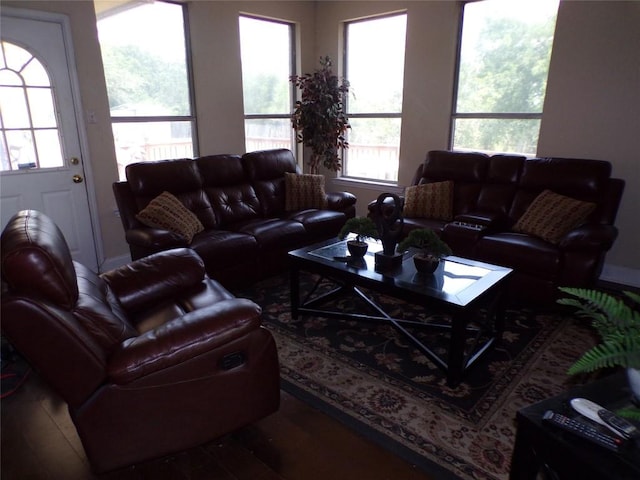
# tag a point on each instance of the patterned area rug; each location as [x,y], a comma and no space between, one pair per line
[369,377]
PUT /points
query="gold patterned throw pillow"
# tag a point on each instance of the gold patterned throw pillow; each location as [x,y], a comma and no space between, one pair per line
[429,200]
[551,216]
[304,191]
[167,212]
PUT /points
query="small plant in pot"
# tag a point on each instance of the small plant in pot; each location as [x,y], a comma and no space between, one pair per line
[617,321]
[431,247]
[364,228]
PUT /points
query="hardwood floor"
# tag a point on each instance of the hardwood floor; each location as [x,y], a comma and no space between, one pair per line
[39,442]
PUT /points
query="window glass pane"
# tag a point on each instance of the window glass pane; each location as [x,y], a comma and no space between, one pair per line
[7,77]
[374,145]
[141,141]
[497,135]
[143,50]
[266,66]
[504,57]
[49,148]
[15,57]
[21,149]
[268,133]
[41,106]
[376,87]
[13,106]
[35,75]
[376,81]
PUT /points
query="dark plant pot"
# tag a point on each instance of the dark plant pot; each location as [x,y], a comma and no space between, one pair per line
[357,249]
[425,263]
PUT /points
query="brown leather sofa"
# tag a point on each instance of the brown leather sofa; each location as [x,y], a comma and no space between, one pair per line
[151,358]
[490,195]
[240,201]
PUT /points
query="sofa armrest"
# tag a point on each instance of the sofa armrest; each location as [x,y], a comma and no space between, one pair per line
[483,219]
[590,237]
[180,340]
[340,200]
[157,277]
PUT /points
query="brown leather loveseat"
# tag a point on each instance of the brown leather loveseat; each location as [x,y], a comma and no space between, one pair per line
[487,198]
[241,201]
[151,358]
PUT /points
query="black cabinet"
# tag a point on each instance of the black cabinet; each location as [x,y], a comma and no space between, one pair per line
[543,449]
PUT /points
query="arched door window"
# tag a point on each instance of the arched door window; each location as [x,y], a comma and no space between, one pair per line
[28,122]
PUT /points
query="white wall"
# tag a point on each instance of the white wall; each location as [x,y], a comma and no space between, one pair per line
[592,108]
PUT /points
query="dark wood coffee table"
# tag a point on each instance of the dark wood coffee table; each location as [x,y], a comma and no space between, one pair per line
[459,288]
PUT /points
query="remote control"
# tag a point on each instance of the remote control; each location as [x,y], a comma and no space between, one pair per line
[601,415]
[584,430]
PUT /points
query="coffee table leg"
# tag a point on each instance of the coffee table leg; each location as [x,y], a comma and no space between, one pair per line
[294,288]
[455,361]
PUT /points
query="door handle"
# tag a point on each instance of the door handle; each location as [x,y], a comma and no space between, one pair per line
[77,179]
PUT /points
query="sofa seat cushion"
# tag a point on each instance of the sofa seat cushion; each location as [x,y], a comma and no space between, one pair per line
[222,248]
[320,223]
[273,233]
[524,253]
[208,292]
[435,225]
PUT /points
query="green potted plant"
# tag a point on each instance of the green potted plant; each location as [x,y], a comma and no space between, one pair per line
[431,249]
[364,228]
[617,321]
[319,118]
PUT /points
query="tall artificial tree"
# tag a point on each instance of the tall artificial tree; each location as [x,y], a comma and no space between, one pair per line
[319,118]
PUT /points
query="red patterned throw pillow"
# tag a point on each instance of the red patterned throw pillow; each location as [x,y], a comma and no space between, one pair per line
[429,200]
[167,212]
[551,216]
[303,191]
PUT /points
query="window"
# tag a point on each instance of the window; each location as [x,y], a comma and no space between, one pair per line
[502,75]
[374,67]
[28,122]
[267,59]
[148,82]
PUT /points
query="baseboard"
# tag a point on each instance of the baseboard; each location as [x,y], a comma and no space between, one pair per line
[620,275]
[114,262]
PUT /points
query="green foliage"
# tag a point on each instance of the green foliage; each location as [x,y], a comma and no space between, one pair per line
[319,118]
[504,71]
[363,227]
[617,323]
[427,240]
[135,77]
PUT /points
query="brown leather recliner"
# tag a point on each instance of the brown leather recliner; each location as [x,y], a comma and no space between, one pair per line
[151,358]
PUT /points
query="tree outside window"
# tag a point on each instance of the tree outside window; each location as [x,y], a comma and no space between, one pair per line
[502,74]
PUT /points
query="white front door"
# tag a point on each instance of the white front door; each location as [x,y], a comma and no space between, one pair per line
[42,161]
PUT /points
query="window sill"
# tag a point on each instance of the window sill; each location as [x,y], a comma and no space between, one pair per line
[367,184]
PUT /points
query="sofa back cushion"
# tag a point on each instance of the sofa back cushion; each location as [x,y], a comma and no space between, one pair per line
[228,189]
[180,177]
[265,170]
[585,180]
[503,176]
[467,170]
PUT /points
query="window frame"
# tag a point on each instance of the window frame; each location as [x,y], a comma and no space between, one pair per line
[345,64]
[192,118]
[292,70]
[455,115]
